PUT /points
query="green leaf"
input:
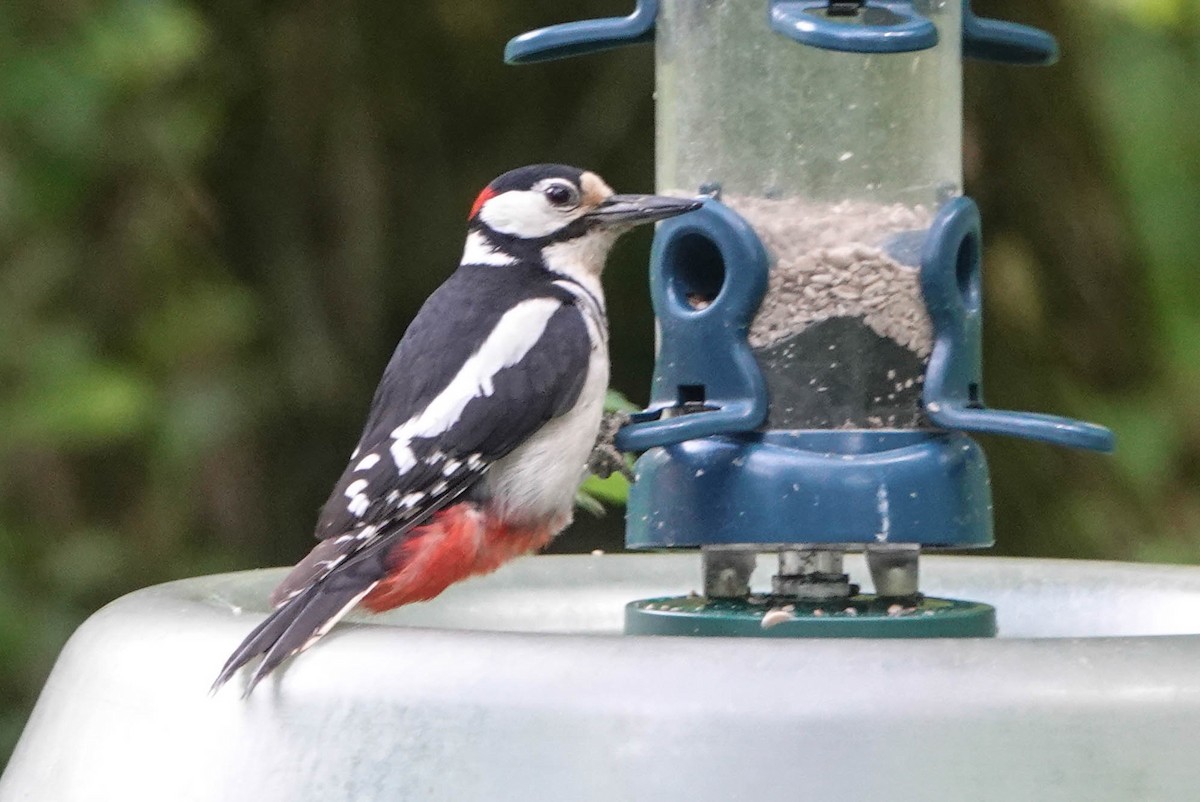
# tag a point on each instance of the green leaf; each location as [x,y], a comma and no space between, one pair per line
[613,490]
[615,401]
[588,504]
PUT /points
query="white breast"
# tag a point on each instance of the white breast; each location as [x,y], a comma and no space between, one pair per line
[538,480]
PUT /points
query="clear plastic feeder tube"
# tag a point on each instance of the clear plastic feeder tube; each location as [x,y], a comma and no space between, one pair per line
[839,161]
[767,117]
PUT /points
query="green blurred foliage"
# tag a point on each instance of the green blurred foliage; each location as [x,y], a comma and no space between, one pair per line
[217,217]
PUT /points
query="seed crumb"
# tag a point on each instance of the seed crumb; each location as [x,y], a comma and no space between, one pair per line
[775,617]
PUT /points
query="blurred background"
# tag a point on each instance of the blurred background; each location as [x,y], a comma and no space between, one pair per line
[218,216]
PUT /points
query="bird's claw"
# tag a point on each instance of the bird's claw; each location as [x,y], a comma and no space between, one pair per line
[606,459]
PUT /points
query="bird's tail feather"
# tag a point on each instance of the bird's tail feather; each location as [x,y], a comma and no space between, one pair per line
[294,626]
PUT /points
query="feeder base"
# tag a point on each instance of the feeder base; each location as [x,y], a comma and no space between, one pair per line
[862,616]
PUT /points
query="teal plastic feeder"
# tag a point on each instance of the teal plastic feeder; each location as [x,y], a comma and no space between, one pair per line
[818,366]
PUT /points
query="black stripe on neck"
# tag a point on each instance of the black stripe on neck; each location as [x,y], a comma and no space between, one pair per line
[528,249]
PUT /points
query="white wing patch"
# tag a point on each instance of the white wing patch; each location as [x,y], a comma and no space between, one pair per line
[515,334]
[358,499]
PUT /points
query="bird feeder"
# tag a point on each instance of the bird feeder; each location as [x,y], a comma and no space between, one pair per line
[818,366]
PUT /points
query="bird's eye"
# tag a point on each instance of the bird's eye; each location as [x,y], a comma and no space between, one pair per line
[562,195]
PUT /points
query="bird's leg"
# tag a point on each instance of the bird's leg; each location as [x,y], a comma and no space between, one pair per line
[605,459]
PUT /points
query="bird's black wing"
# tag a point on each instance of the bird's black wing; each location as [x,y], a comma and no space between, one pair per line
[435,419]
[407,468]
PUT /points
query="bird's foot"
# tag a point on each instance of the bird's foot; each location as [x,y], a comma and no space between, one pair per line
[606,459]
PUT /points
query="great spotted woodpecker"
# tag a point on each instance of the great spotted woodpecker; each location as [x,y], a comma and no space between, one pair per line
[480,429]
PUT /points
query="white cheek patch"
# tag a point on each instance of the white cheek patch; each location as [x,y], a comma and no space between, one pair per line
[524,214]
[515,334]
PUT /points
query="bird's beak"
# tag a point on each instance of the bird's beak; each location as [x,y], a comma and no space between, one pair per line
[636,209]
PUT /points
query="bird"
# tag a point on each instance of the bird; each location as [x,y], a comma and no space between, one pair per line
[478,434]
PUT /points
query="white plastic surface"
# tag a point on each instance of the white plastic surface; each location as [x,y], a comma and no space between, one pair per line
[520,687]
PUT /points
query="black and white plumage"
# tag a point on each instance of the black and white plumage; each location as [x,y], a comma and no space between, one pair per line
[481,426]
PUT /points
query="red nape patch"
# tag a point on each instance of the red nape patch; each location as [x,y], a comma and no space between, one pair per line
[487,194]
[459,542]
